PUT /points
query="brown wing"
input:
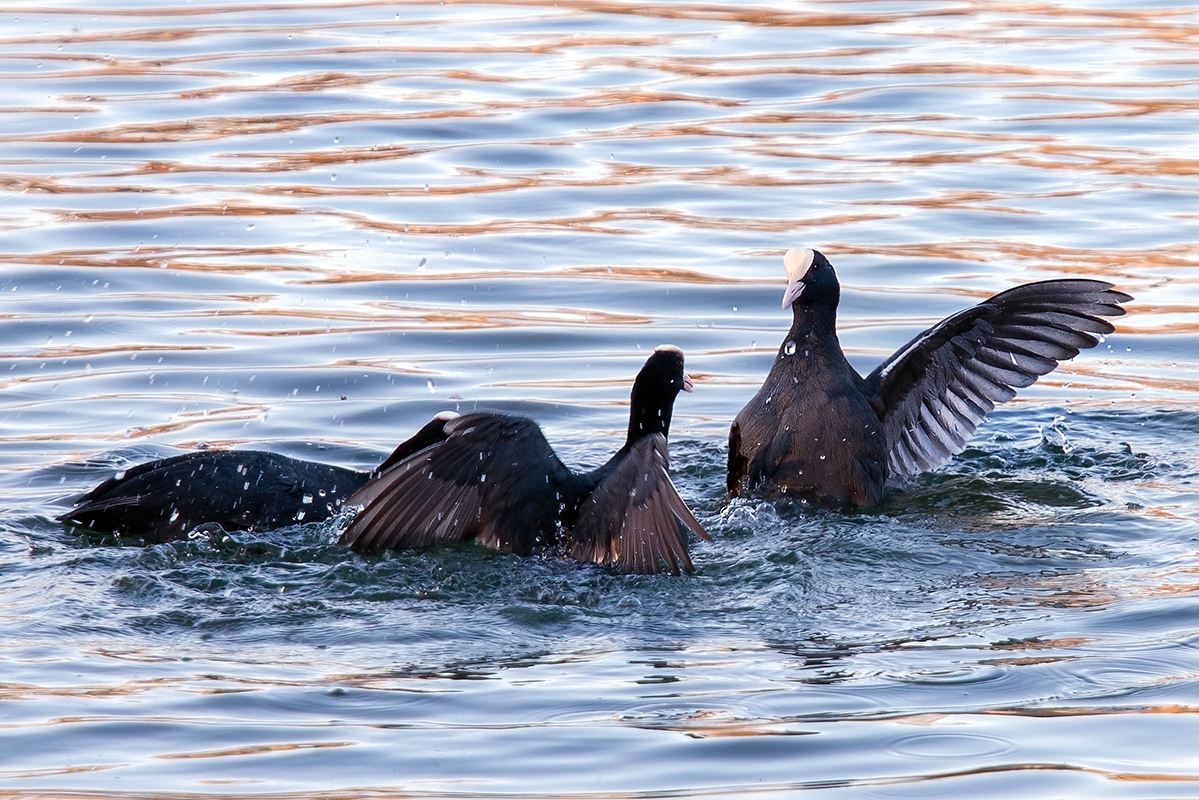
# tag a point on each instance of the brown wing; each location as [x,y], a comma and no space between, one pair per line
[635,520]
[494,478]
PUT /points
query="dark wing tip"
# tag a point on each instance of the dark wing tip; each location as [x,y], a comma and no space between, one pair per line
[431,433]
[102,515]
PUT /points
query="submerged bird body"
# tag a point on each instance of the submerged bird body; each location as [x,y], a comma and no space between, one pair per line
[819,431]
[165,499]
[496,480]
[239,490]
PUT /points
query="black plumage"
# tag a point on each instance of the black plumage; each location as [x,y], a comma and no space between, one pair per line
[496,480]
[819,431]
[165,499]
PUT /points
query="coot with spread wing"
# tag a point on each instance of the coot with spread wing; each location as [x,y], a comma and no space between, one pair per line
[820,432]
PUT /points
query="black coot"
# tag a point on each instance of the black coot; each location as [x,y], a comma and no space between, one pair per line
[818,431]
[495,479]
[237,489]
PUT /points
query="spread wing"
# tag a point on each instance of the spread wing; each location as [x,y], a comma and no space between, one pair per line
[493,478]
[635,519]
[935,391]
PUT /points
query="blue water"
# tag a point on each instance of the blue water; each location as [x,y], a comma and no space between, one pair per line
[308,227]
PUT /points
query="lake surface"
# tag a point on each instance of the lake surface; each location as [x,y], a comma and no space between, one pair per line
[307,227]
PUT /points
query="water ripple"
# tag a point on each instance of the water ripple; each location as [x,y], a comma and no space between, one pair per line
[308,227]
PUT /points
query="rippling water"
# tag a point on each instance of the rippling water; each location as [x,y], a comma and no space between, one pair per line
[307,227]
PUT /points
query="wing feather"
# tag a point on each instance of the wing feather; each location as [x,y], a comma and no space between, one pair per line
[493,478]
[935,391]
[635,519]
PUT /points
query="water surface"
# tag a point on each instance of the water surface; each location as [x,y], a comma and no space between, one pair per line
[307,227]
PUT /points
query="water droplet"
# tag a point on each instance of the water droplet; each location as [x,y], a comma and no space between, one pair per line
[789,348]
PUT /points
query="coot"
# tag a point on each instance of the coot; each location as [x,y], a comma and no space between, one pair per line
[818,431]
[496,480]
[165,499]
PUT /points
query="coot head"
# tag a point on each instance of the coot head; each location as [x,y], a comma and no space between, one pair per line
[810,279]
[657,385]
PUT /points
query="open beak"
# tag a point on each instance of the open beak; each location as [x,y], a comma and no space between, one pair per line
[688,386]
[794,290]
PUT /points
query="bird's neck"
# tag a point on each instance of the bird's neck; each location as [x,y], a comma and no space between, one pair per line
[647,417]
[818,318]
[813,337]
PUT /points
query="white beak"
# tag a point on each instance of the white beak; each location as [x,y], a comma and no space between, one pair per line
[794,290]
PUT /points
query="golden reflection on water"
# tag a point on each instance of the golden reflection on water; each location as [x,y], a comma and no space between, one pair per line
[183,421]
[255,751]
[585,164]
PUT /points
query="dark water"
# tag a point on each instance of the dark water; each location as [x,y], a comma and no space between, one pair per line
[307,227]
